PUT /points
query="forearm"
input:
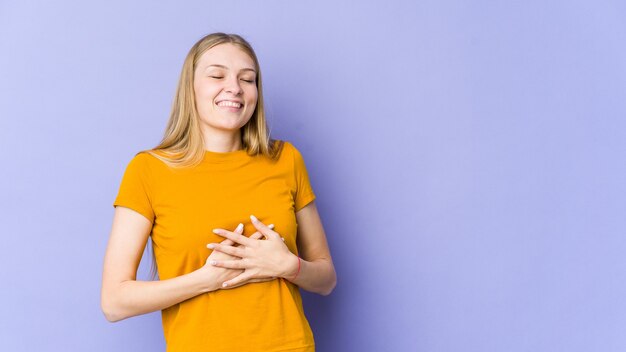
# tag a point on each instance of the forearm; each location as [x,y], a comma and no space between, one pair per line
[316,276]
[130,298]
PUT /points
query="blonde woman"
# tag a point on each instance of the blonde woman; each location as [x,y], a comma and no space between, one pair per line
[231,216]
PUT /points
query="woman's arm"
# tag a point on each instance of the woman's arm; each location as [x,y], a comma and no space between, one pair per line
[271,257]
[317,272]
[122,296]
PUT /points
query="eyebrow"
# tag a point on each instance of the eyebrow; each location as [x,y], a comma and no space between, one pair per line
[224,67]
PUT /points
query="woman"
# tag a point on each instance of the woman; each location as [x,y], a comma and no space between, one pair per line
[217,169]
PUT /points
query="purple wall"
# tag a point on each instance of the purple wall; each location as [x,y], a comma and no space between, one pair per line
[468,158]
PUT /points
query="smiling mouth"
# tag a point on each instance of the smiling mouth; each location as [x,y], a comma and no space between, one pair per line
[229,104]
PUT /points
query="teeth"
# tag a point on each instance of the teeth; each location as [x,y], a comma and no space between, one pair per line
[229,103]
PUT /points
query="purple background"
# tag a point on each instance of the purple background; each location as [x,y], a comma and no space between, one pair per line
[468,158]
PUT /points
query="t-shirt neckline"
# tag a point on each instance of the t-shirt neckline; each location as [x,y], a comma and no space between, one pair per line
[236,155]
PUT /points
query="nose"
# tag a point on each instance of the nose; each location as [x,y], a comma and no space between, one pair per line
[233,86]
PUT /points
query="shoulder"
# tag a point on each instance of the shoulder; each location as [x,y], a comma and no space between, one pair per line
[143,162]
[288,154]
[139,161]
[292,156]
[290,150]
[148,158]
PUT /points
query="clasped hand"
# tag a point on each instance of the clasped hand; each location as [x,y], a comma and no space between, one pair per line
[259,259]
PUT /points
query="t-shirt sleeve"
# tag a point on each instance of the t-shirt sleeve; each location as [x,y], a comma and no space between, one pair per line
[134,192]
[304,191]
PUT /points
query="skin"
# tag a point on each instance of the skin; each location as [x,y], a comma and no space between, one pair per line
[223,73]
[271,258]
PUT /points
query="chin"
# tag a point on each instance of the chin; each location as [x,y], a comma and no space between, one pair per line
[233,125]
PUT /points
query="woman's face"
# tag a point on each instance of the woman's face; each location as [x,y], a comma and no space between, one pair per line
[225,88]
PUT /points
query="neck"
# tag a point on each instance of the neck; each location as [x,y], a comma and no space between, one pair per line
[222,141]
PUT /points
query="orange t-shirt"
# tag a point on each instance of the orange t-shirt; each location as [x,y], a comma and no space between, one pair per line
[185,205]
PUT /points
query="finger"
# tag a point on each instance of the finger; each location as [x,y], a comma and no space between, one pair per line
[265,230]
[233,236]
[236,251]
[257,235]
[228,242]
[229,264]
[246,275]
[264,279]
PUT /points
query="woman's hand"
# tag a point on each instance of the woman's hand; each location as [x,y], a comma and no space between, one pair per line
[217,275]
[224,274]
[269,258]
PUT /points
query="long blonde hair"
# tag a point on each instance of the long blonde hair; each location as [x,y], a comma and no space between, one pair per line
[182,144]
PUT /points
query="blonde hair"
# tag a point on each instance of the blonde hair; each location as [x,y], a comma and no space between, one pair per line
[182,144]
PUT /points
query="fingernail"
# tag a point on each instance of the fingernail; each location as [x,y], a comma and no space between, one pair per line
[271,226]
[210,245]
[239,227]
[216,231]
[253,218]
[224,284]
[213,262]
